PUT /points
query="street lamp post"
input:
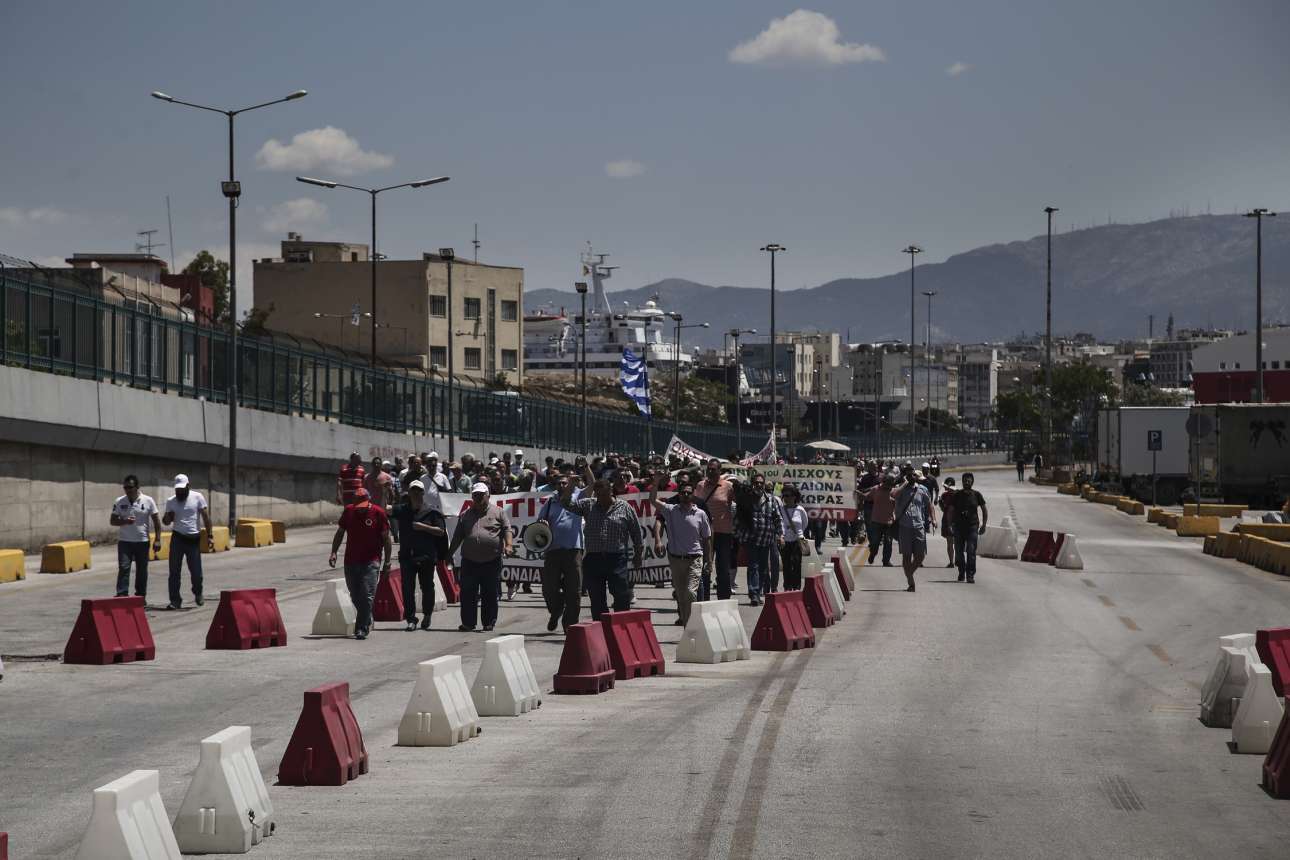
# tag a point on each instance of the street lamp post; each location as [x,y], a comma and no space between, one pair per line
[232,189]
[676,372]
[772,249]
[581,287]
[739,427]
[912,250]
[927,359]
[448,255]
[877,410]
[1258,215]
[1048,336]
[340,327]
[371,255]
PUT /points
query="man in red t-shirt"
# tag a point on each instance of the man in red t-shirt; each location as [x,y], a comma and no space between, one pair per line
[350,479]
[366,531]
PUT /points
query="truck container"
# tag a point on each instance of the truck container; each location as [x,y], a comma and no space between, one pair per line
[1123,450]
[1240,453]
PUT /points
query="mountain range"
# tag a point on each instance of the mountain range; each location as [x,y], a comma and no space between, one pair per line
[1107,280]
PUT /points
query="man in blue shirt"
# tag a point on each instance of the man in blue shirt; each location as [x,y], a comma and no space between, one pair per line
[562,560]
[914,518]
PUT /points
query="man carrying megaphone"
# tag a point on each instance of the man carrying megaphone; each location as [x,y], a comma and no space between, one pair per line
[562,560]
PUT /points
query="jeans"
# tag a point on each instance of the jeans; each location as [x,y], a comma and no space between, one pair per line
[417,571]
[606,570]
[880,533]
[562,584]
[723,547]
[185,547]
[818,529]
[773,578]
[965,552]
[361,580]
[480,581]
[687,571]
[132,551]
[792,553]
[758,568]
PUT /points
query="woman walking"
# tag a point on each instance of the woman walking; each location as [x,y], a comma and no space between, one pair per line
[795,524]
[946,504]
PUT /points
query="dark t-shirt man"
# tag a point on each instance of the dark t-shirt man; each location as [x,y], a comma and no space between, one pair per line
[967,510]
[417,544]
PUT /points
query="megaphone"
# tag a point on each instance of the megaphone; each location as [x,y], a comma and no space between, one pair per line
[537,537]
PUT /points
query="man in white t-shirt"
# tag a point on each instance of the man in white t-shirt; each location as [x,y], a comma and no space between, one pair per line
[186,514]
[133,513]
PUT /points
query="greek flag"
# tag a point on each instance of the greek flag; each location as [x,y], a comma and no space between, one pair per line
[635,380]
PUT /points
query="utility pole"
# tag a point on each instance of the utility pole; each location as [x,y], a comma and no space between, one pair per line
[1258,215]
[911,251]
[927,358]
[772,249]
[475,242]
[1048,338]
[581,287]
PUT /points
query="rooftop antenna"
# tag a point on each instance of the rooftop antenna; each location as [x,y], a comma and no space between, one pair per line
[147,244]
[170,227]
[475,242]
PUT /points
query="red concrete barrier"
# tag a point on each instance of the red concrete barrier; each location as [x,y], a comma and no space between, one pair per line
[1039,546]
[247,618]
[585,665]
[387,605]
[1276,766]
[1057,547]
[326,747]
[842,580]
[783,624]
[818,607]
[633,645]
[110,630]
[1273,646]
[448,582]
[4,846]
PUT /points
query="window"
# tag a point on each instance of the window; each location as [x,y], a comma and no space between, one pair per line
[474,360]
[1222,365]
[472,310]
[1238,365]
[1276,365]
[510,311]
[353,256]
[438,306]
[439,355]
[510,359]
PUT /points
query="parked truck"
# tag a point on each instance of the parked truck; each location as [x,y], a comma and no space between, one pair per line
[1125,439]
[1240,453]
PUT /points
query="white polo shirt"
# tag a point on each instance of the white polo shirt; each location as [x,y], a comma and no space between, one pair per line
[142,509]
[186,520]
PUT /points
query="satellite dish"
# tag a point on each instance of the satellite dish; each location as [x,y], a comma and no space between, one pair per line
[536,537]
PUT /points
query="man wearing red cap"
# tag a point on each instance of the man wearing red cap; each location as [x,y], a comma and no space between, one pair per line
[366,531]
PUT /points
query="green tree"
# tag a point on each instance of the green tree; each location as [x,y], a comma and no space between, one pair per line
[1075,387]
[213,274]
[1017,410]
[942,421]
[1150,395]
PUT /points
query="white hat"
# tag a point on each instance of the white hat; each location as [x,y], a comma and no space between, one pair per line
[479,488]
[416,485]
[434,455]
[494,461]
[927,466]
[181,481]
[519,452]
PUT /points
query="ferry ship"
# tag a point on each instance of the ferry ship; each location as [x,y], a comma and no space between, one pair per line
[551,336]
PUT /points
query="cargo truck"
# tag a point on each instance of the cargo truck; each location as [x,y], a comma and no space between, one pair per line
[1125,438]
[1240,453]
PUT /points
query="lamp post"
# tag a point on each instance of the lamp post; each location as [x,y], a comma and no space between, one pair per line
[581,287]
[232,189]
[877,410]
[1258,215]
[1048,336]
[371,256]
[927,358]
[772,249]
[739,427]
[448,255]
[340,328]
[912,250]
[676,372]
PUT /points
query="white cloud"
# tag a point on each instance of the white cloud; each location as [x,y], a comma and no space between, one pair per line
[807,38]
[624,168]
[13,216]
[957,69]
[328,148]
[294,214]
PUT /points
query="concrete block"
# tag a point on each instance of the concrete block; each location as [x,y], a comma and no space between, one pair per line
[834,592]
[227,808]
[129,822]
[12,565]
[715,633]
[1270,531]
[256,534]
[1198,526]
[998,542]
[336,614]
[1225,686]
[440,712]
[221,540]
[848,572]
[66,556]
[1204,510]
[278,526]
[1259,715]
[1068,557]
[505,685]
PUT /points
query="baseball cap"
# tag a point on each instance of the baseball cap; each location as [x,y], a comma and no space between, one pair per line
[494,461]
[479,488]
[416,485]
[181,481]
[519,452]
[433,455]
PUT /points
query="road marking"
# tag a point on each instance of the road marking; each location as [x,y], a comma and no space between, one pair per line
[1090,583]
[1160,653]
[1106,601]
[1129,622]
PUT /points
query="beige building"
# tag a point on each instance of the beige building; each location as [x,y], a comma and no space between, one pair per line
[314,289]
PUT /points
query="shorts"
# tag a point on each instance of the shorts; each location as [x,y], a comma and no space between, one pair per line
[913,542]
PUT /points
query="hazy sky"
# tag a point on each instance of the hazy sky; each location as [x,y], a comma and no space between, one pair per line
[679,136]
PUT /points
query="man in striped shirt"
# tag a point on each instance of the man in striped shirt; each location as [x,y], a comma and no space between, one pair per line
[609,524]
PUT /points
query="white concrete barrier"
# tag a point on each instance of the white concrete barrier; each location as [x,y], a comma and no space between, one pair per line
[1068,557]
[848,572]
[129,822]
[336,614]
[505,685]
[1259,714]
[834,591]
[715,633]
[440,712]
[227,807]
[1007,523]
[998,542]
[1225,686]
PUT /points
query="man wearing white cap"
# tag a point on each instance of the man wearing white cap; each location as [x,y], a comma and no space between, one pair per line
[517,464]
[484,534]
[438,482]
[186,513]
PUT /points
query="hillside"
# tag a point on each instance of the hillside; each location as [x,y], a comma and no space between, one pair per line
[1106,280]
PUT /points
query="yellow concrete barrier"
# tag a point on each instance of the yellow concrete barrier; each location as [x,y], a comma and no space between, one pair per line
[164,553]
[279,527]
[1227,544]
[221,540]
[1201,510]
[254,534]
[1211,545]
[66,556]
[1272,531]
[1153,515]
[1168,520]
[11,565]
[1198,526]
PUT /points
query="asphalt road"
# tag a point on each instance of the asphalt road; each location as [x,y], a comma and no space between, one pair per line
[1037,713]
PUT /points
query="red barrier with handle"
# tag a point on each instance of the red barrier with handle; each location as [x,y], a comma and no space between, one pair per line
[1273,646]
[1276,766]
[387,605]
[1039,546]
[585,665]
[326,747]
[1059,539]
[110,630]
[247,618]
[633,645]
[783,624]
[818,606]
[448,582]
[842,580]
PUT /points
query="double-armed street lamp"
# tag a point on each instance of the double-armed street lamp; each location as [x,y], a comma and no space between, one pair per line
[676,372]
[739,427]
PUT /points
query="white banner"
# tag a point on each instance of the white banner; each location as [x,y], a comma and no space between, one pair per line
[523,510]
[828,492]
[677,448]
[765,455]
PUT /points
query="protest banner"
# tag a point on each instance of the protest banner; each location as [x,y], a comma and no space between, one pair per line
[677,448]
[828,492]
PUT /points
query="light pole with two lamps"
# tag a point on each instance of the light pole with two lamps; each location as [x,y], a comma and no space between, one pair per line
[581,287]
[676,372]
[772,249]
[739,427]
[912,250]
